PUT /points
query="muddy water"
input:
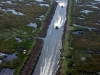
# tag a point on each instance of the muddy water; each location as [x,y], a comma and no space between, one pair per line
[50,54]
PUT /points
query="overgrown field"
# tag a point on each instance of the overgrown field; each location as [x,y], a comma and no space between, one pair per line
[83,54]
[16,36]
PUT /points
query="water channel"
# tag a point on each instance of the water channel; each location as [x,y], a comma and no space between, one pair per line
[50,55]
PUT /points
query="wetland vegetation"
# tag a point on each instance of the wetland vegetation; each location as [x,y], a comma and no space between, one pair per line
[20,23]
[81,46]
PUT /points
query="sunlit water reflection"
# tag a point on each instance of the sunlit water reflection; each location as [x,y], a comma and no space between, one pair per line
[50,54]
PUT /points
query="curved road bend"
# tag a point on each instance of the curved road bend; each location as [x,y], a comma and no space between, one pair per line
[50,55]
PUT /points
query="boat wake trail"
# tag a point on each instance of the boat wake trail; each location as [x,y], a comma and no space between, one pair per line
[59,19]
[50,55]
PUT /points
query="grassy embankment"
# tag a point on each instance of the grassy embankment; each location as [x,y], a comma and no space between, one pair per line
[65,53]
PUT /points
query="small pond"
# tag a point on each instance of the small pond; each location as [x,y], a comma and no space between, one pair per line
[78,32]
[89,28]
[44,5]
[18,39]
[86,11]
[6,56]
[12,11]
[32,25]
[7,71]
[10,56]
[40,17]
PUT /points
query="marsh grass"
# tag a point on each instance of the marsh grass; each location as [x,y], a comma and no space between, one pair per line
[15,26]
[82,61]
